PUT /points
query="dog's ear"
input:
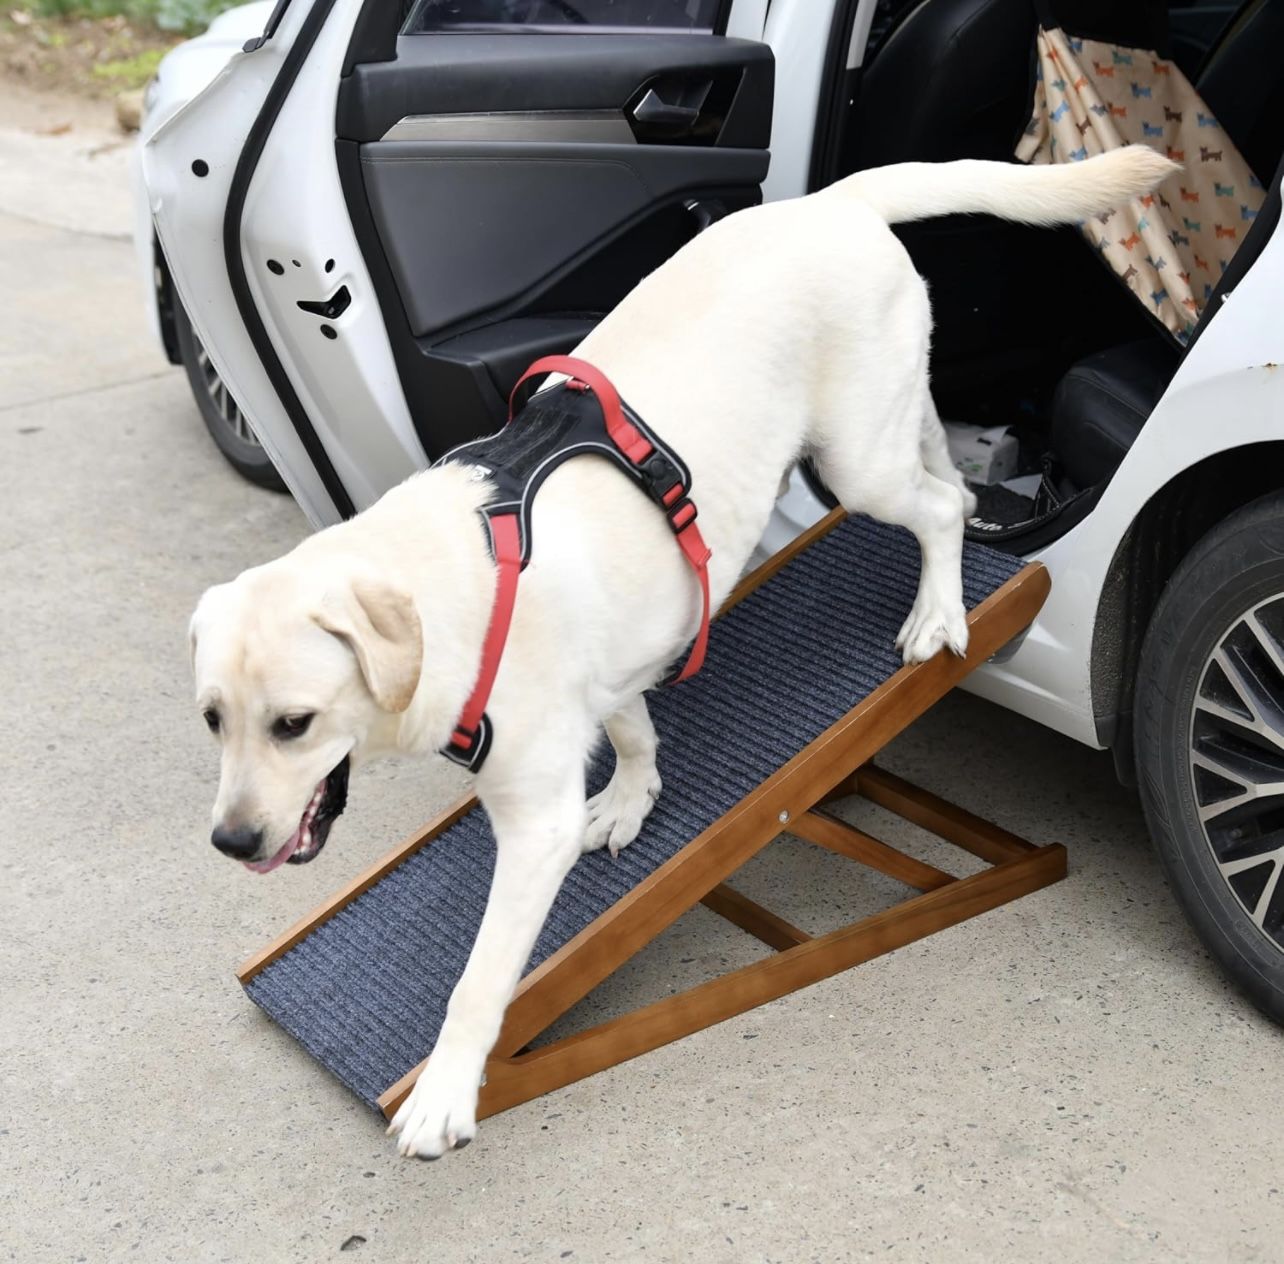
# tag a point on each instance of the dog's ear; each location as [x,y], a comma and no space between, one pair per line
[194,624]
[191,640]
[380,625]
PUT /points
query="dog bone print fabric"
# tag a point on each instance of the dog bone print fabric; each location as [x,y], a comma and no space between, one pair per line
[1171,246]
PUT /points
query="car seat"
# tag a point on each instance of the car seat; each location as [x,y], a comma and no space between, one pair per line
[955,80]
[1102,402]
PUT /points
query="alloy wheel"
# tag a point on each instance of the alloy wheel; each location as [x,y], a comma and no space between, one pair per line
[224,405]
[1237,762]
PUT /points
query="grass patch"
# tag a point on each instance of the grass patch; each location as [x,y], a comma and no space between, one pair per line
[129,72]
[187,16]
[95,57]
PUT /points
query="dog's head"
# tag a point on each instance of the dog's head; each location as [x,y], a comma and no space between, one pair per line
[295,679]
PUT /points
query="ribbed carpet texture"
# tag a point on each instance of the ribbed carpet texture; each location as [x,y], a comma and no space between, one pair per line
[365,993]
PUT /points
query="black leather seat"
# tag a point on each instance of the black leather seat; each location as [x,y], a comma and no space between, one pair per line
[951,80]
[1102,403]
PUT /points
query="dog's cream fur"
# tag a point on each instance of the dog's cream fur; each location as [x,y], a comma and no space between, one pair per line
[794,328]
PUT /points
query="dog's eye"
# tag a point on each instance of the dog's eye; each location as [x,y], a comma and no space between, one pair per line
[289,726]
[211,718]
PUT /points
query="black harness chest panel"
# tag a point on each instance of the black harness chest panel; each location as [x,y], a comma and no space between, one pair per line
[556,426]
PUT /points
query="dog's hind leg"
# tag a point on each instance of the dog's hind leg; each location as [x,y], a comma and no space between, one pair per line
[538,819]
[933,511]
[902,490]
[615,815]
[936,457]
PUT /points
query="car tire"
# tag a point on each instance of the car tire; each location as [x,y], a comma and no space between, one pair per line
[1209,744]
[228,426]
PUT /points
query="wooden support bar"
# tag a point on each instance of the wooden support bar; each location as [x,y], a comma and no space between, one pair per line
[954,824]
[843,790]
[512,1080]
[749,915]
[846,840]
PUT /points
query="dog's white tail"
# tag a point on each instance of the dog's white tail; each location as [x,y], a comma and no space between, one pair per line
[1061,193]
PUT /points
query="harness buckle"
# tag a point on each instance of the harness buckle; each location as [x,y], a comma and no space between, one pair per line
[469,748]
[662,478]
[681,514]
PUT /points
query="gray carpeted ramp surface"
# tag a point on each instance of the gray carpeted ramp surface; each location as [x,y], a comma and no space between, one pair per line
[365,993]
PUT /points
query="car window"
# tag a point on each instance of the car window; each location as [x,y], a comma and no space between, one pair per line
[565,16]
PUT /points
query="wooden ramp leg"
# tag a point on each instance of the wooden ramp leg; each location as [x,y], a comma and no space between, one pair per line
[800,961]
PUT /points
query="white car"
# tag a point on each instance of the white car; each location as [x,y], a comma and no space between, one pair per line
[361,220]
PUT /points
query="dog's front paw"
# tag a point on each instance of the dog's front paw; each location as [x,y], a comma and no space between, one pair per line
[929,629]
[615,816]
[441,1112]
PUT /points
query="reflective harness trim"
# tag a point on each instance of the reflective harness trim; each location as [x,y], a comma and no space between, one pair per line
[637,451]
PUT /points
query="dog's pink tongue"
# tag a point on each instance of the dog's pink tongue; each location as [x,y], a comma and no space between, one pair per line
[292,845]
[266,866]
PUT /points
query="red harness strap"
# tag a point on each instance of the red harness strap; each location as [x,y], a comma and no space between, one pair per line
[470,739]
[506,544]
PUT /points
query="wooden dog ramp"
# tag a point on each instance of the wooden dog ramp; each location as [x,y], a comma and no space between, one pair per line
[802,688]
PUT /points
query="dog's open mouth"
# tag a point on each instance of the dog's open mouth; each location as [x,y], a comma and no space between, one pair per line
[324,808]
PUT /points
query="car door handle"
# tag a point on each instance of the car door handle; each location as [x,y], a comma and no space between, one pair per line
[654,112]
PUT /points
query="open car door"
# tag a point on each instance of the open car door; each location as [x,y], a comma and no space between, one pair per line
[379,214]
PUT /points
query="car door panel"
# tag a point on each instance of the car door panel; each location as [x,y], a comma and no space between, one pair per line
[459,74]
[469,226]
[477,369]
[360,352]
[510,188]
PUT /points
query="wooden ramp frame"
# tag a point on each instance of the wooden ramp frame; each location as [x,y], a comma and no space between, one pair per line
[793,800]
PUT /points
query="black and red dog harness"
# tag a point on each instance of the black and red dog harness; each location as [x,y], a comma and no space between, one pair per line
[582,415]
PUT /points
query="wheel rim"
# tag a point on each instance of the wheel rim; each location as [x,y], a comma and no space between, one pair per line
[1237,762]
[224,405]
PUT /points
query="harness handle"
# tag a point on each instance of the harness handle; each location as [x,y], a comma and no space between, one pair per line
[624,434]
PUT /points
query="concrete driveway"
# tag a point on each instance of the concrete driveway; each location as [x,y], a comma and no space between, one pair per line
[1067,1078]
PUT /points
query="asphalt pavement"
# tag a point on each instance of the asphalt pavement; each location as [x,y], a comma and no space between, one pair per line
[1067,1078]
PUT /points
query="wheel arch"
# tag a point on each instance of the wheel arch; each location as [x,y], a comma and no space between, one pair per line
[1170,523]
[165,297]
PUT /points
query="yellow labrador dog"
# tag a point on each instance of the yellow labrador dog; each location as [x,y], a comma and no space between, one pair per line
[804,330]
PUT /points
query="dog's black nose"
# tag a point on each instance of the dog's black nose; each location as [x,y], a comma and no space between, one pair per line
[241,843]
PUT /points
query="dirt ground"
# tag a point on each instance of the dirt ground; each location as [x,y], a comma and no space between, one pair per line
[86,58]
[53,112]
